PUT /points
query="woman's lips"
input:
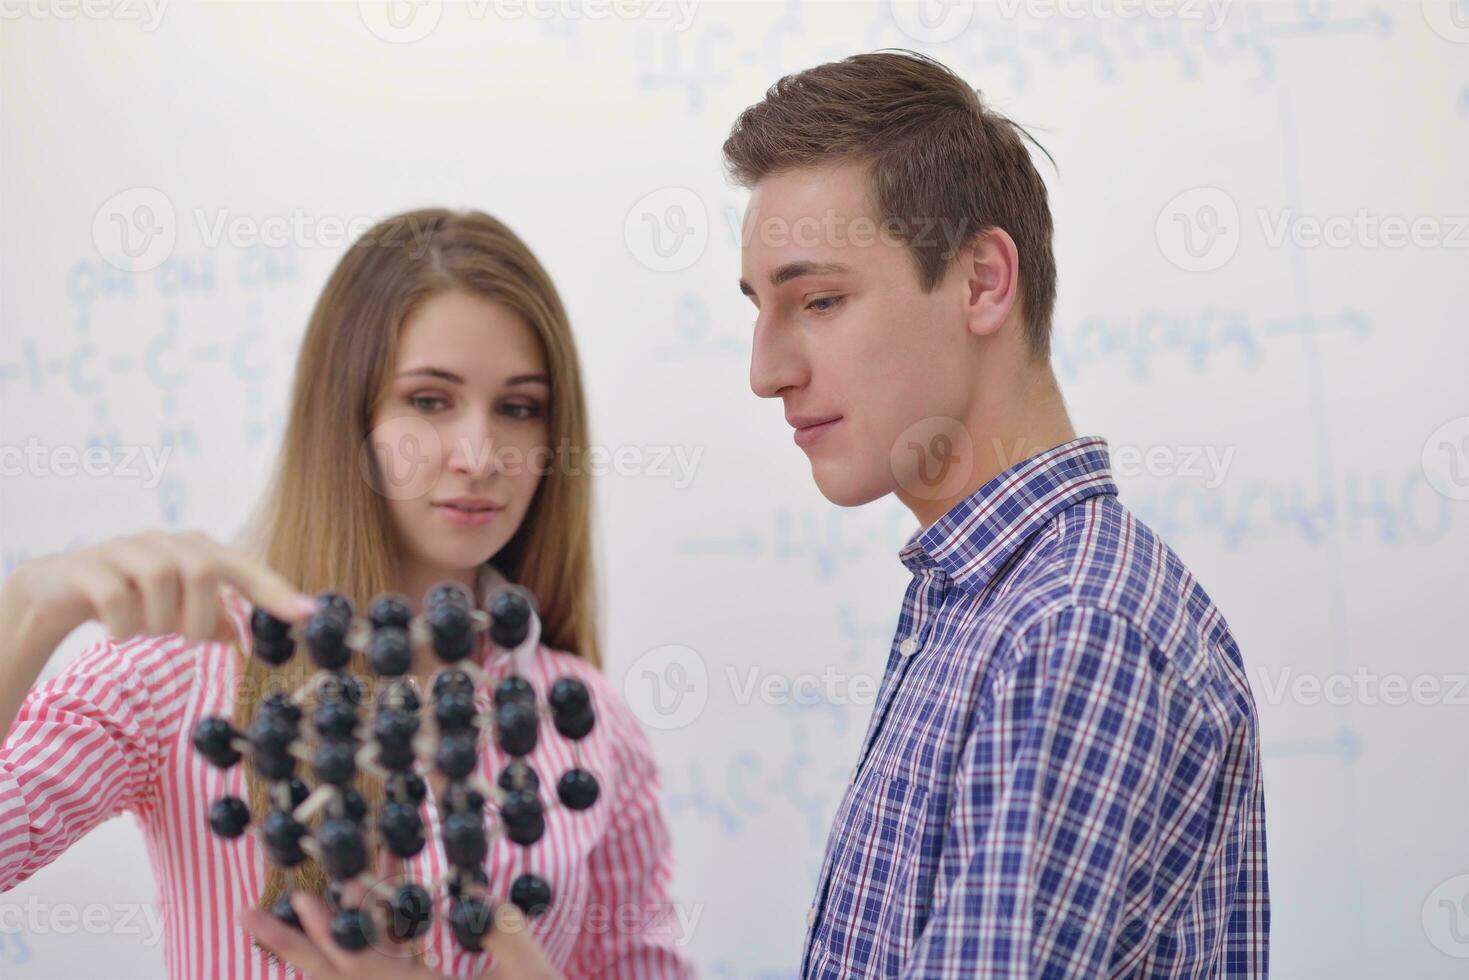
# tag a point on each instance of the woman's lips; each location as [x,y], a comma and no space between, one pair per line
[467,518]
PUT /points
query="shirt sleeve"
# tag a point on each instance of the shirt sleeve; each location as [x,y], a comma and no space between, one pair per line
[86,746]
[1079,750]
[630,868]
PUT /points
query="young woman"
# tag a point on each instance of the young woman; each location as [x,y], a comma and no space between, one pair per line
[436,388]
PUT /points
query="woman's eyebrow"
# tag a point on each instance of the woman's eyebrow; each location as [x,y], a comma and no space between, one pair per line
[432,372]
[452,378]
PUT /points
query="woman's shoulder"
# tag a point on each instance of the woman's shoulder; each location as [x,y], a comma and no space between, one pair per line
[141,692]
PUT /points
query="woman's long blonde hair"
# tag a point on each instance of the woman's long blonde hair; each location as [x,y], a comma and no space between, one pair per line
[323,526]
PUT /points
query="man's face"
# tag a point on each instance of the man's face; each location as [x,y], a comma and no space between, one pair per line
[844,332]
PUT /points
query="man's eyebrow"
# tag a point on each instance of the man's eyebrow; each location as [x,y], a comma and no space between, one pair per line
[454,379]
[794,270]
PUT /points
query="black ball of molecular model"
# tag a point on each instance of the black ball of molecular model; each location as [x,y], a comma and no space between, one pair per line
[391,742]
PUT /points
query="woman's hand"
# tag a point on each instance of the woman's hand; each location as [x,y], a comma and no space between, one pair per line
[147,584]
[151,584]
[517,954]
[316,956]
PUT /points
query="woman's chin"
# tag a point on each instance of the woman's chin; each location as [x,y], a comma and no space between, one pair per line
[468,551]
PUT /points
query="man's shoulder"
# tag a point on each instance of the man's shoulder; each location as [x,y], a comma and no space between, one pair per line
[1100,558]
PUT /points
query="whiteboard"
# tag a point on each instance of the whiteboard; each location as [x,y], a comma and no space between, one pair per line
[1259,213]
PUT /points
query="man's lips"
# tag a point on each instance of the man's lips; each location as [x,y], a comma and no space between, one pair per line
[806,421]
[814,429]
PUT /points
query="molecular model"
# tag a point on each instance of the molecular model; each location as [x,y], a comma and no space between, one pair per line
[393,745]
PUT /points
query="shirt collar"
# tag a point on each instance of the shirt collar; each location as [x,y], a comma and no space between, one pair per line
[974,539]
[237,608]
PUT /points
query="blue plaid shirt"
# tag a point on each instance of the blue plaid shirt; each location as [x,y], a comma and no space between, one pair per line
[1061,777]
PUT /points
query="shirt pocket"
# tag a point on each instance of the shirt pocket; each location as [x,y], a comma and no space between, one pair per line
[901,817]
[872,906]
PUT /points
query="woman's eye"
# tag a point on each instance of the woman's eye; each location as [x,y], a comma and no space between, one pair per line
[832,303]
[427,403]
[520,410]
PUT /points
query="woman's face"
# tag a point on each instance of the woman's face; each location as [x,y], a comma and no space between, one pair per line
[461,438]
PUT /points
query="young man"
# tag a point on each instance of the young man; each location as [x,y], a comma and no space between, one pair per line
[1061,777]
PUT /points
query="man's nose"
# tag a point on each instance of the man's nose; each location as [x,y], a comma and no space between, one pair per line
[776,360]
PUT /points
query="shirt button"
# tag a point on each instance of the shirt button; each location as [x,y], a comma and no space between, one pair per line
[853,777]
[909,646]
[811,916]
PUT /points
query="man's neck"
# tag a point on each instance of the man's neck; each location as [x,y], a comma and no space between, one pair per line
[1030,422]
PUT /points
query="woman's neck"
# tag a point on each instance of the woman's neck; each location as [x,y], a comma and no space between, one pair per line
[416,583]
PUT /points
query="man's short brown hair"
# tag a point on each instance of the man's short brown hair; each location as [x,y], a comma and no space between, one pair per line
[942,166]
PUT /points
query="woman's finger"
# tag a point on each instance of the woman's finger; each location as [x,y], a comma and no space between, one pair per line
[518,953]
[150,566]
[296,949]
[376,961]
[389,865]
[373,897]
[260,585]
[316,919]
[111,597]
[389,878]
[200,588]
[357,892]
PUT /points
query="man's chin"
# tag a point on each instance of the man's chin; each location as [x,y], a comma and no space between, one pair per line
[845,488]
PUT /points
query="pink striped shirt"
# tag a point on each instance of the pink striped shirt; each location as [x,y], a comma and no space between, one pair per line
[111,734]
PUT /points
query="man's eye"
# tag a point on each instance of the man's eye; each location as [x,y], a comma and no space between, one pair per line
[427,403]
[831,303]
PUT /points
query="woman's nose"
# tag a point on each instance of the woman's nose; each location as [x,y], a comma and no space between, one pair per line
[472,451]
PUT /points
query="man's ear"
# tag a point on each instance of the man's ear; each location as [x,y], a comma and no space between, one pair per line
[989,267]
